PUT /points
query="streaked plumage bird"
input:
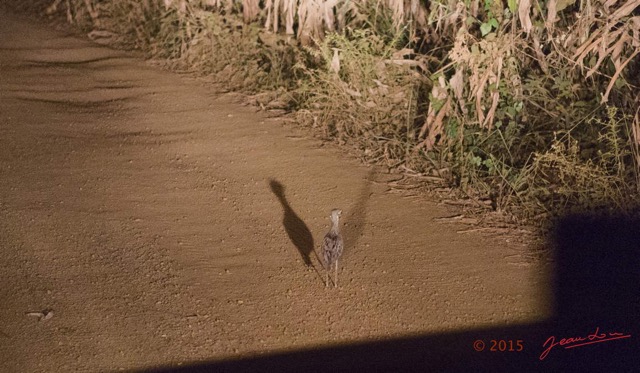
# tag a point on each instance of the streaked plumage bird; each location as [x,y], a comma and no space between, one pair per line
[332,247]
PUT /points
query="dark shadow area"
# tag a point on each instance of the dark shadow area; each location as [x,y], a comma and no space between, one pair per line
[594,327]
[296,229]
[356,218]
[598,271]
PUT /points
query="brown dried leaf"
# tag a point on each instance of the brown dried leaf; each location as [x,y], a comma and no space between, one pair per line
[457,85]
[602,48]
[458,14]
[635,21]
[397,8]
[541,57]
[524,8]
[608,3]
[617,48]
[488,122]
[436,127]
[551,14]
[597,42]
[474,7]
[402,53]
[438,92]
[615,76]
[636,128]
[495,97]
[352,92]
[479,93]
[624,10]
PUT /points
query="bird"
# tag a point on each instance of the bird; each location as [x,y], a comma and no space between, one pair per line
[332,246]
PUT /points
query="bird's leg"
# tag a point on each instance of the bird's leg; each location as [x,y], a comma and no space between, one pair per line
[336,281]
[326,276]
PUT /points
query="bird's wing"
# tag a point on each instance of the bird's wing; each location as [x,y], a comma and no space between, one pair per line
[328,242]
[340,244]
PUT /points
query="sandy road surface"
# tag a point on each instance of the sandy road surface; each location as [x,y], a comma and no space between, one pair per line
[165,224]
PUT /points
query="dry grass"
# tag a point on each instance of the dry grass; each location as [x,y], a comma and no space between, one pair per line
[507,100]
[362,93]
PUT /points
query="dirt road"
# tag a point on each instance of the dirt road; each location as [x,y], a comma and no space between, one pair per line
[161,224]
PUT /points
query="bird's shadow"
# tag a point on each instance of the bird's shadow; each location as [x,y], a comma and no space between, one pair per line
[296,229]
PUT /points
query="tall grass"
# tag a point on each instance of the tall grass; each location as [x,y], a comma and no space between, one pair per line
[531,105]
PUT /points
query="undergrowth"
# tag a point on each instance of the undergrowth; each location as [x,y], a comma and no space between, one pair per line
[354,92]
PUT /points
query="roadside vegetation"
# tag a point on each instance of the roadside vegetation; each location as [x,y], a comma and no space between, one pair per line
[528,107]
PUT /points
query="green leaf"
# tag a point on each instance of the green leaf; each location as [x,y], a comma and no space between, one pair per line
[470,21]
[435,103]
[494,22]
[488,163]
[518,106]
[476,161]
[452,128]
[513,5]
[485,28]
